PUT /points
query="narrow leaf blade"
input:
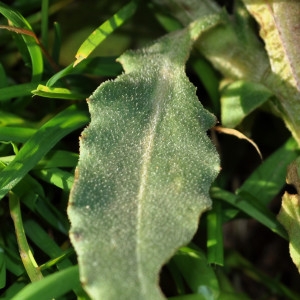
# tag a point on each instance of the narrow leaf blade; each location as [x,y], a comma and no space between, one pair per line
[39,144]
[101,33]
[34,50]
[241,98]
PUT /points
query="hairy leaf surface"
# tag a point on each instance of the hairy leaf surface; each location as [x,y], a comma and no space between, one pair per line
[145,168]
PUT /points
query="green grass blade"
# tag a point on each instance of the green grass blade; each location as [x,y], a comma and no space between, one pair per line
[103,31]
[25,253]
[52,286]
[42,239]
[2,269]
[32,194]
[16,134]
[56,43]
[13,261]
[39,144]
[198,274]
[13,290]
[215,246]
[44,26]
[236,260]
[47,211]
[34,50]
[239,99]
[190,297]
[3,78]
[24,89]
[58,261]
[99,66]
[10,119]
[269,178]
[252,207]
[58,159]
[60,178]
[57,93]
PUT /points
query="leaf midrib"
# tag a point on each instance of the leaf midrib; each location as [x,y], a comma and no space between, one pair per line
[159,95]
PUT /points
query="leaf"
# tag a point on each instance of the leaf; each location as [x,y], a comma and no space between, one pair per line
[289,215]
[197,272]
[34,50]
[56,92]
[53,286]
[279,21]
[145,168]
[101,33]
[241,98]
[268,179]
[250,205]
[232,47]
[39,144]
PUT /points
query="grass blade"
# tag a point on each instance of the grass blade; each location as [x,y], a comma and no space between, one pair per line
[16,134]
[57,177]
[269,178]
[57,93]
[215,246]
[34,50]
[252,207]
[103,31]
[25,253]
[39,144]
[52,286]
[15,91]
[45,17]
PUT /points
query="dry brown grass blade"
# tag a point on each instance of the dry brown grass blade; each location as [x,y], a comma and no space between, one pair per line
[239,135]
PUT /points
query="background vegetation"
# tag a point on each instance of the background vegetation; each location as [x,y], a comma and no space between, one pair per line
[240,249]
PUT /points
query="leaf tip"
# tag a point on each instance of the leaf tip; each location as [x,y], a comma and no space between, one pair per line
[79,59]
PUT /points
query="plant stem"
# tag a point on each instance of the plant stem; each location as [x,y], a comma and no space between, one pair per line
[26,255]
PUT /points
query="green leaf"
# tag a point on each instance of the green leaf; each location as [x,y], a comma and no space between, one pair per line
[9,92]
[101,33]
[237,261]
[241,98]
[269,178]
[56,92]
[16,134]
[39,144]
[57,177]
[34,50]
[27,257]
[52,286]
[252,207]
[215,245]
[232,47]
[289,215]
[3,77]
[46,243]
[145,168]
[2,269]
[99,66]
[196,271]
[278,21]
[190,297]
